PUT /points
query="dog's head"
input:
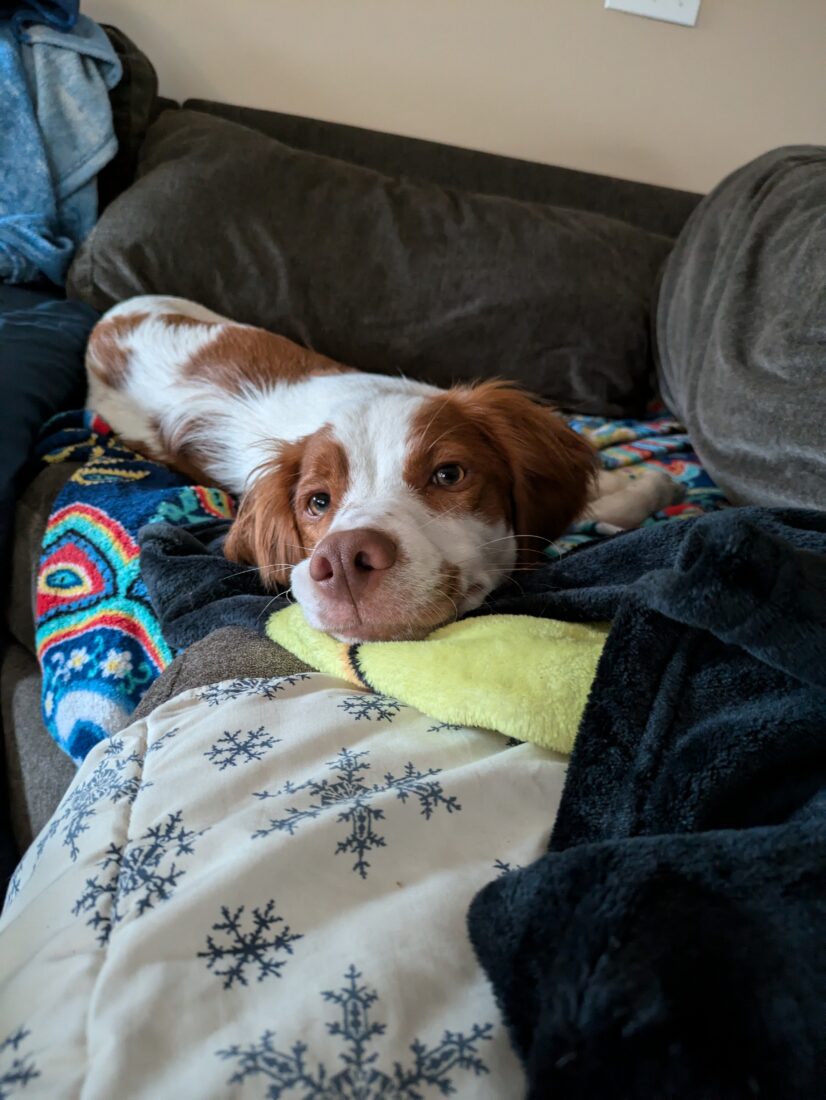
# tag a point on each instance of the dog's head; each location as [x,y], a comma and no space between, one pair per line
[407,511]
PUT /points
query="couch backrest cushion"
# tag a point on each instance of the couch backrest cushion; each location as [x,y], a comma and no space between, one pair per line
[662,210]
[381,272]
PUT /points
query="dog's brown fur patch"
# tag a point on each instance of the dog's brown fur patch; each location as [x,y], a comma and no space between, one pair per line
[241,357]
[106,355]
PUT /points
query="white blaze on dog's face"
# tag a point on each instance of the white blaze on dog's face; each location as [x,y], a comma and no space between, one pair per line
[407,511]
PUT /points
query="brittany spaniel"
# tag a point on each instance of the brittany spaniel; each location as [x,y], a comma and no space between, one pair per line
[389,506]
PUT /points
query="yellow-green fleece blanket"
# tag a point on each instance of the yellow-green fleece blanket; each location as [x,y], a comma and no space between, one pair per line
[523,677]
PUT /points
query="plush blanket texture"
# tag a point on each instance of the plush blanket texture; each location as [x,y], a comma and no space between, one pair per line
[522,676]
[671,941]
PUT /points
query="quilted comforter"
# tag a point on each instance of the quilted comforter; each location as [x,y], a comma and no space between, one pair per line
[260,890]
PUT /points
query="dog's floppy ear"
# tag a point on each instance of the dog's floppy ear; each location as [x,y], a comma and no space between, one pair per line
[265,532]
[552,466]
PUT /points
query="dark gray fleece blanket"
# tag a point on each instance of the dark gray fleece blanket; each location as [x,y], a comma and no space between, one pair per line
[194,589]
[672,942]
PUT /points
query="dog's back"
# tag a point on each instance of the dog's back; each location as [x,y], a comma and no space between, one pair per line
[180,383]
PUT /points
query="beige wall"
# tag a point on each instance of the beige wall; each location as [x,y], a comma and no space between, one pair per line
[562,81]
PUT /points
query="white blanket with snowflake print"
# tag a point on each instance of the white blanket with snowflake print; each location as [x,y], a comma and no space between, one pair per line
[260,891]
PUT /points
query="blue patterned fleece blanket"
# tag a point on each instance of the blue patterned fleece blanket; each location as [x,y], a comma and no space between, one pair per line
[98,639]
[103,638]
[56,133]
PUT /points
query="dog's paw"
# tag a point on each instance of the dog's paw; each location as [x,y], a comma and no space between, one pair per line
[630,495]
[666,489]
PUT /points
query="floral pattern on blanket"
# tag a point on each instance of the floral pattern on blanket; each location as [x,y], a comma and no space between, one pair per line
[221,929]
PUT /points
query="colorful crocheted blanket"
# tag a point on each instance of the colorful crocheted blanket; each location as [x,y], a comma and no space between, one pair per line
[99,641]
[659,441]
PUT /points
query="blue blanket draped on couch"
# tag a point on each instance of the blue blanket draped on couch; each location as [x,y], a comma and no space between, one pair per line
[61,14]
[56,135]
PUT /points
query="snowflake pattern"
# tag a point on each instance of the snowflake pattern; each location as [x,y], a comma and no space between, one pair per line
[257,946]
[20,1070]
[15,883]
[441,727]
[232,749]
[372,706]
[112,780]
[215,694]
[156,746]
[503,867]
[361,1077]
[139,875]
[350,796]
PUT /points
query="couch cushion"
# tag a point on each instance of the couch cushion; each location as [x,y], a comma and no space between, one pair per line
[38,772]
[382,273]
[134,99]
[741,330]
[228,653]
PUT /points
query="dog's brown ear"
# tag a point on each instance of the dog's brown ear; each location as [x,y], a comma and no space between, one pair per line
[265,533]
[552,466]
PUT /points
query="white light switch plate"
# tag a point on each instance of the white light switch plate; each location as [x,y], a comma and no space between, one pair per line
[684,12]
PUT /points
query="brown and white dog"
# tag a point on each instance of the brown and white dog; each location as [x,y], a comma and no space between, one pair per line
[389,506]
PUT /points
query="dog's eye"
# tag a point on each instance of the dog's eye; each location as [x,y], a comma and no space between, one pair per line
[451,474]
[318,503]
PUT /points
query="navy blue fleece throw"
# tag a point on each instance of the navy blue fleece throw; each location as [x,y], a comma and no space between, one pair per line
[672,942]
[42,342]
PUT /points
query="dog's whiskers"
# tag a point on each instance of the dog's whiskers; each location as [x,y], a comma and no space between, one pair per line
[286,594]
[258,569]
[515,538]
[441,515]
[430,423]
